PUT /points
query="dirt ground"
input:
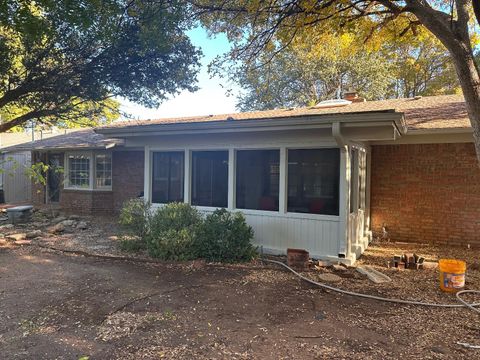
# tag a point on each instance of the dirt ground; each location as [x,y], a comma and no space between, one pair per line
[62,306]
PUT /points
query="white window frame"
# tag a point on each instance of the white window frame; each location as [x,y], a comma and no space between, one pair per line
[232,150]
[92,170]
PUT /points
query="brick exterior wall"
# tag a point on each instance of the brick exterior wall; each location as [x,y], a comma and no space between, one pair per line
[127,183]
[426,193]
[127,176]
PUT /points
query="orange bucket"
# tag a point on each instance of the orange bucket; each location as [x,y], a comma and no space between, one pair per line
[452,274]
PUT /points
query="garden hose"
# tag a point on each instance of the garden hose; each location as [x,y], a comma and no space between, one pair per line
[462,304]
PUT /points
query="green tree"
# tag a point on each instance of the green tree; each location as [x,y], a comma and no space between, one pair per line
[310,71]
[85,114]
[60,60]
[269,26]
[421,65]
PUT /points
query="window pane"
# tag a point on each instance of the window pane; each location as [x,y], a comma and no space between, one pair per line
[167,177]
[258,175]
[79,171]
[103,170]
[313,181]
[210,178]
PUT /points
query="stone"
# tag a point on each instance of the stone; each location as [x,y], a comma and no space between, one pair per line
[34,234]
[82,225]
[59,219]
[23,242]
[374,275]
[438,349]
[74,217]
[2,235]
[429,265]
[323,263]
[19,214]
[17,237]
[339,268]
[68,223]
[56,229]
[474,266]
[6,227]
[327,277]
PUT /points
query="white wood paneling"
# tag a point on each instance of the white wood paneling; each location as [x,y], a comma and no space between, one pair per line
[278,233]
[17,184]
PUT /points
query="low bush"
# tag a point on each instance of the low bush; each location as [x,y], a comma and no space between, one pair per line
[225,237]
[173,230]
[177,231]
[135,217]
[132,244]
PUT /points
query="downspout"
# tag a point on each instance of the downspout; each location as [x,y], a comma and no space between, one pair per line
[344,248]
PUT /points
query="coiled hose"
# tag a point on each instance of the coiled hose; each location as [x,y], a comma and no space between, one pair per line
[462,304]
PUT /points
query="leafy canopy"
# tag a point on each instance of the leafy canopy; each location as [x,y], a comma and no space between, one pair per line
[60,60]
[299,53]
[318,65]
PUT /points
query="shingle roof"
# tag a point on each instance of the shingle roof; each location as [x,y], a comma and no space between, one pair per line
[81,139]
[430,112]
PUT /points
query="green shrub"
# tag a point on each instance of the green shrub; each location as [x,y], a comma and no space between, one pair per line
[132,244]
[225,236]
[177,231]
[173,229]
[135,217]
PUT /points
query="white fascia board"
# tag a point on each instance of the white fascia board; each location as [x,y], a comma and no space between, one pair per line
[300,122]
[430,136]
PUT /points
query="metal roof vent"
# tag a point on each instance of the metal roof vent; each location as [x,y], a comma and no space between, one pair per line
[333,103]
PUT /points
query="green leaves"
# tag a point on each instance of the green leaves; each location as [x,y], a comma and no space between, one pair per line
[298,53]
[57,56]
[178,232]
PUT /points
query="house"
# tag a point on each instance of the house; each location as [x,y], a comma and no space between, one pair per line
[319,178]
[14,164]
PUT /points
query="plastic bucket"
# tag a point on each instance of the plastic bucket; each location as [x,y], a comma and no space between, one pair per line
[452,274]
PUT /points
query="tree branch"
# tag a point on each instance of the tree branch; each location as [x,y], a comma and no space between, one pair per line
[22,119]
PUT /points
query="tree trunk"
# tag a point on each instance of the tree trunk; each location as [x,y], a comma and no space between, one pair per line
[470,82]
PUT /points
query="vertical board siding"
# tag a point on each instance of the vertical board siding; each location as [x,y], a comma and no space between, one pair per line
[17,184]
[282,232]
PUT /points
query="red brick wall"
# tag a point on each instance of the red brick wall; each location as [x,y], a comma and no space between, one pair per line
[426,193]
[127,172]
[127,183]
[84,201]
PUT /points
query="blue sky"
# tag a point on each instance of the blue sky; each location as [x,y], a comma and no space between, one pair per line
[209,99]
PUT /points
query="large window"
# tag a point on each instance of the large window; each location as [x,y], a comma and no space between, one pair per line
[103,171]
[79,170]
[210,178]
[258,175]
[167,179]
[313,181]
[88,170]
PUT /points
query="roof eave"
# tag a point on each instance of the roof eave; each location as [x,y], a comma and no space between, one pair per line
[434,131]
[297,122]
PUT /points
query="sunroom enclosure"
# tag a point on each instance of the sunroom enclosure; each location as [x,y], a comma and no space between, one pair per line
[300,182]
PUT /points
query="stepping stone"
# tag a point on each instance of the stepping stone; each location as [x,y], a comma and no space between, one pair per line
[17,237]
[374,275]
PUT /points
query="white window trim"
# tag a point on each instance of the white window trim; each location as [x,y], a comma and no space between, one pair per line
[232,150]
[92,171]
